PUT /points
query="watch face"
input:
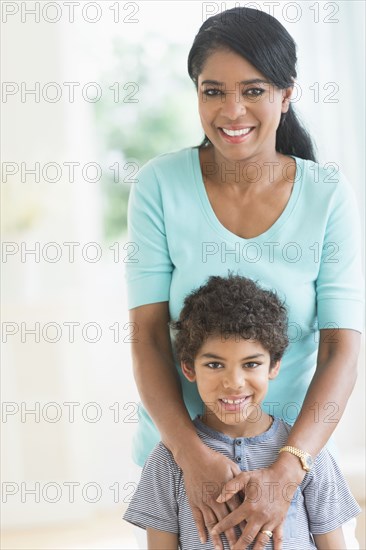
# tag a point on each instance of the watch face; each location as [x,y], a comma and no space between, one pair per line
[307,462]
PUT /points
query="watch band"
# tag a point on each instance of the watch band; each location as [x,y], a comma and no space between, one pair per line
[305,458]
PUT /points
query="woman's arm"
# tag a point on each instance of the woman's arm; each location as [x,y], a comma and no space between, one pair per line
[161,540]
[329,541]
[205,471]
[157,378]
[328,393]
[323,407]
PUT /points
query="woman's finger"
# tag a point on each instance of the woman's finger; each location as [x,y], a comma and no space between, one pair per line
[278,537]
[233,486]
[232,505]
[262,539]
[232,519]
[234,502]
[210,521]
[266,533]
[200,523]
[252,534]
[221,511]
[260,536]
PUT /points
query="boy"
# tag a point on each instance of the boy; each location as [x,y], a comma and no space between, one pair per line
[230,338]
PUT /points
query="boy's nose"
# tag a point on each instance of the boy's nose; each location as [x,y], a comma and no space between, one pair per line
[234,381]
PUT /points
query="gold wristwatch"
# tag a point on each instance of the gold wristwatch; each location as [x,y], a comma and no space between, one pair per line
[305,459]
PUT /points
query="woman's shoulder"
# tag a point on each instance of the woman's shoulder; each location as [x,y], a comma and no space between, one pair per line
[323,183]
[319,173]
[169,163]
[167,176]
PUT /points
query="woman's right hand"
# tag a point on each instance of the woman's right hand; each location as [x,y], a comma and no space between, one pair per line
[205,473]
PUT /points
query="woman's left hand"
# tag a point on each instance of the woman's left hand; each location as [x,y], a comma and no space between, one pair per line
[267,496]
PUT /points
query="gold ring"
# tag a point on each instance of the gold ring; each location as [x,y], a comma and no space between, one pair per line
[268,533]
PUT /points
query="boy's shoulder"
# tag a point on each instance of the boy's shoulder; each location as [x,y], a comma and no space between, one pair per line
[282,424]
[160,452]
[161,458]
[321,460]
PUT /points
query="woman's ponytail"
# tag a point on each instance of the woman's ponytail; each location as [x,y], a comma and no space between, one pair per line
[292,138]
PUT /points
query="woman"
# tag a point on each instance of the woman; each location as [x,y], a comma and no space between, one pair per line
[250,199]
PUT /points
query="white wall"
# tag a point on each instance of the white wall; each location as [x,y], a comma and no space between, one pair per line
[84,292]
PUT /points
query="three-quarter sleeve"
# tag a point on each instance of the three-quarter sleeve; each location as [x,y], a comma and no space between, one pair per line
[339,284]
[148,274]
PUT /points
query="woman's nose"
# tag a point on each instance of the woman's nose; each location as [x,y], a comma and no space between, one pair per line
[233,104]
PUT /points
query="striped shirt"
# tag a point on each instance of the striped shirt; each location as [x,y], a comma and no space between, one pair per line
[322,503]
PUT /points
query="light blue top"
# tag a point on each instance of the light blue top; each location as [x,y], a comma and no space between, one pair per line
[310,256]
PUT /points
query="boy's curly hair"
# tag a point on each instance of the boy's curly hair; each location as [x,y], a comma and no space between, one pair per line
[231,306]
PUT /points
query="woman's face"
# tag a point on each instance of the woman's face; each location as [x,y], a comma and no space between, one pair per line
[239,109]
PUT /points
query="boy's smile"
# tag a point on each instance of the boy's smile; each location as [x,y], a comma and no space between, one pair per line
[232,377]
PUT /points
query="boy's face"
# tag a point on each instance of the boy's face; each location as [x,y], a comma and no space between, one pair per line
[232,379]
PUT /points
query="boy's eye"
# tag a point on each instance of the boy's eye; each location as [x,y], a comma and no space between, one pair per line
[251,365]
[214,365]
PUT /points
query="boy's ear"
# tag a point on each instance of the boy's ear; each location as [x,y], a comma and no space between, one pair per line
[274,370]
[188,371]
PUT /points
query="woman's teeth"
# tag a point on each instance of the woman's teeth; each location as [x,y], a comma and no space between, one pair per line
[236,132]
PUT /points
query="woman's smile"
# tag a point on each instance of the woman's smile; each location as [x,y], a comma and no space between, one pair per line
[236,136]
[240,109]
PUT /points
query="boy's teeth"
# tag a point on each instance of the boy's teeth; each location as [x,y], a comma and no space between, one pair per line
[233,401]
[236,132]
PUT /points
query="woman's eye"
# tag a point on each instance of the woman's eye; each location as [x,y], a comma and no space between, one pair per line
[254,92]
[212,92]
[214,365]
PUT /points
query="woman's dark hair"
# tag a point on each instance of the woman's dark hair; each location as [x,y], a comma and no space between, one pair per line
[266,44]
[231,306]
